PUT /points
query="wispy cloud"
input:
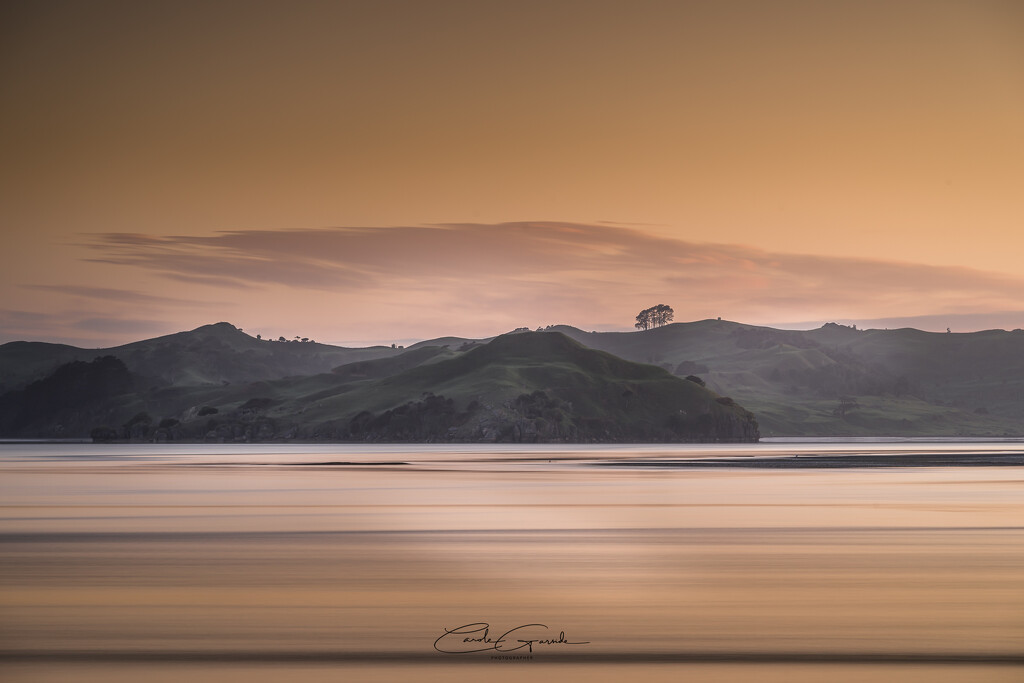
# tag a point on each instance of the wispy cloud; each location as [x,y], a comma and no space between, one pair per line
[507,274]
[585,258]
[360,258]
[232,259]
[119,295]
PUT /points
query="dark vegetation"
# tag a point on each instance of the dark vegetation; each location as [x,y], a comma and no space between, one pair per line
[216,354]
[838,380]
[64,402]
[655,316]
[524,387]
[675,382]
[543,387]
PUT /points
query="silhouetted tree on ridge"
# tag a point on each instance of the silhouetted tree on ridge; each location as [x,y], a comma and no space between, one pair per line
[655,316]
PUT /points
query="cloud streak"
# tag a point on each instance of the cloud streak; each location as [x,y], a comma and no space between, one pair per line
[542,253]
[361,258]
[353,283]
[121,296]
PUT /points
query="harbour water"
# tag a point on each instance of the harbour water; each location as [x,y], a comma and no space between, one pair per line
[412,562]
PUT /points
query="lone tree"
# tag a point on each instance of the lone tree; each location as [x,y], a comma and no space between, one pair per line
[655,316]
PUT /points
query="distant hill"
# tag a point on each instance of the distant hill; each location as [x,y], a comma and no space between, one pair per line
[211,354]
[837,380]
[545,386]
[840,381]
[517,388]
[831,381]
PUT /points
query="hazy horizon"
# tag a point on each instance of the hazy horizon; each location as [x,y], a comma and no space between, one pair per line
[359,172]
[882,324]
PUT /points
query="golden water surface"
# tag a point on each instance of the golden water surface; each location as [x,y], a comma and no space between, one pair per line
[329,563]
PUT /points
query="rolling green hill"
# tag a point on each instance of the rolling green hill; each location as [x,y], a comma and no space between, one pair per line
[832,381]
[520,388]
[543,386]
[211,354]
[840,381]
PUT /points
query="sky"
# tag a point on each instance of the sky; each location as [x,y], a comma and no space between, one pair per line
[382,172]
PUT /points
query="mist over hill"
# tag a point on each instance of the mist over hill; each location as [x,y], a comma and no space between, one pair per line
[835,380]
[532,387]
[211,354]
[840,381]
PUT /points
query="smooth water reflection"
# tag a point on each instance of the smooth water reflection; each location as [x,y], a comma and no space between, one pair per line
[127,560]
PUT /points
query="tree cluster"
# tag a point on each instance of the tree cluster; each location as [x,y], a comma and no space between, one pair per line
[297,340]
[655,316]
[62,397]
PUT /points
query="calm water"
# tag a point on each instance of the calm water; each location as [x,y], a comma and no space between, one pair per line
[350,562]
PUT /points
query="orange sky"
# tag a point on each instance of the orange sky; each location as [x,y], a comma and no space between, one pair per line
[392,171]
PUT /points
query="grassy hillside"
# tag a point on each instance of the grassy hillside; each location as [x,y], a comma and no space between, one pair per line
[548,386]
[378,368]
[894,382]
[839,381]
[208,355]
[522,387]
[832,381]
